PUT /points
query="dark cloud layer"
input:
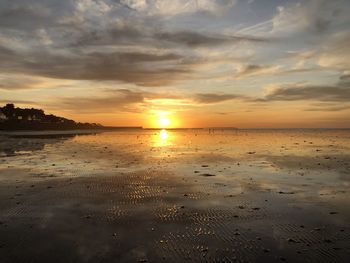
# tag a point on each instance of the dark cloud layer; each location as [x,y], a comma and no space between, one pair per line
[98,40]
[194,39]
[140,68]
[331,98]
[127,33]
[317,93]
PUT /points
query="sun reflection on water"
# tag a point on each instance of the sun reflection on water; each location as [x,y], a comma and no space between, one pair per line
[162,138]
[163,135]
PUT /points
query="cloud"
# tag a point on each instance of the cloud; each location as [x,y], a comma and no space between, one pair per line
[17,83]
[336,54]
[21,102]
[316,17]
[193,39]
[13,15]
[119,100]
[143,69]
[344,80]
[123,33]
[254,70]
[104,40]
[275,70]
[211,98]
[329,108]
[177,7]
[122,100]
[306,92]
[146,67]
[127,100]
[332,53]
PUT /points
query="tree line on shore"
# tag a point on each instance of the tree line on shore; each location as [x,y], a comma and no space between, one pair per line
[15,118]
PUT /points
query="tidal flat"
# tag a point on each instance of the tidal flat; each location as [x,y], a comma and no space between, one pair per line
[176,196]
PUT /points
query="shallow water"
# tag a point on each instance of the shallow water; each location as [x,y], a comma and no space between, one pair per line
[177,195]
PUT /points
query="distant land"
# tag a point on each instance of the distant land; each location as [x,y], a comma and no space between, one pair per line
[14,118]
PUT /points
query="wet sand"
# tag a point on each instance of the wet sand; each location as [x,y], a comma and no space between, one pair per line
[189,196]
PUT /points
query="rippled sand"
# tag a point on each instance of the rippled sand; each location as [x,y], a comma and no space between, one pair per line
[176,196]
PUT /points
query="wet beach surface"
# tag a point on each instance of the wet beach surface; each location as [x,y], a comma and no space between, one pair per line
[179,196]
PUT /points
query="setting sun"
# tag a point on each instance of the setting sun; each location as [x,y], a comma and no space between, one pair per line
[164,122]
[163,119]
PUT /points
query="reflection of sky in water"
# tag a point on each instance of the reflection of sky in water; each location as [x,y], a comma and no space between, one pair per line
[306,163]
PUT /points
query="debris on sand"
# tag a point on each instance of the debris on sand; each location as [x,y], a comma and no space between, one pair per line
[205,165]
[286,193]
[207,175]
[333,213]
[251,152]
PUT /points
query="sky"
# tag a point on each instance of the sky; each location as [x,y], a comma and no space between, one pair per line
[177,63]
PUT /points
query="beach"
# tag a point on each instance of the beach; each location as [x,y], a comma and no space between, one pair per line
[176,196]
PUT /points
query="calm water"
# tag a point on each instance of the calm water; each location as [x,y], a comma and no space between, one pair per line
[308,162]
[252,195]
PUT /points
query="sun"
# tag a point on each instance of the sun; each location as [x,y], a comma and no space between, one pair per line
[163,120]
